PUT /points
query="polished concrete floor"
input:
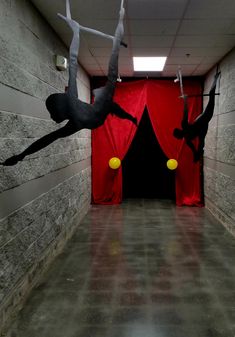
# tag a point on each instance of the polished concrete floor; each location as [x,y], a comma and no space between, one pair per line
[141,269]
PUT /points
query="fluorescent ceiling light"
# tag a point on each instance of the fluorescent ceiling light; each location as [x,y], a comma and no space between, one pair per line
[149,63]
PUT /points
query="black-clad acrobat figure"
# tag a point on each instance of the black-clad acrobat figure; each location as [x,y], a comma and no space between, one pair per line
[81,115]
[199,127]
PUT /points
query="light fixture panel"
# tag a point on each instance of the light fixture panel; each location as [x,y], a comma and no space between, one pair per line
[149,63]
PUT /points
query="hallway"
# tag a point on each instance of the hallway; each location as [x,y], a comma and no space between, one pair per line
[142,268]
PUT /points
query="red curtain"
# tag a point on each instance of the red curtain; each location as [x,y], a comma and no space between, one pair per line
[114,137]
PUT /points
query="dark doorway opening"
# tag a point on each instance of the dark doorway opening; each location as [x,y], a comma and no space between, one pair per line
[145,174]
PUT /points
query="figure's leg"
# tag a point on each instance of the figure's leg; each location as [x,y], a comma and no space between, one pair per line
[74,47]
[179,133]
[118,37]
[213,87]
[206,116]
[184,123]
[180,79]
[200,151]
[119,112]
[73,51]
[211,104]
[192,147]
[200,125]
[68,12]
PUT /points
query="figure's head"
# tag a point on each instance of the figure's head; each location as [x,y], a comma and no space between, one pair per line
[179,134]
[57,106]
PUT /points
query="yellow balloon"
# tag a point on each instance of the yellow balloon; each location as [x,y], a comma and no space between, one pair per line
[172,164]
[114,163]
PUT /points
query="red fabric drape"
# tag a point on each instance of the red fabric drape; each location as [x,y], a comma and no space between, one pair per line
[165,112]
[114,137]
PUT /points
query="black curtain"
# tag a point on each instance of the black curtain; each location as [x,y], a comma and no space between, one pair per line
[145,174]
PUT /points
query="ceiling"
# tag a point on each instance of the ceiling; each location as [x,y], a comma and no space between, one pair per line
[193,34]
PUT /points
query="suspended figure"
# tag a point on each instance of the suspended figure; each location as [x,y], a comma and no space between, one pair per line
[67,106]
[199,127]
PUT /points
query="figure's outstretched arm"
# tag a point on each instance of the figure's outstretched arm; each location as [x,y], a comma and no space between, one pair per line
[119,112]
[41,143]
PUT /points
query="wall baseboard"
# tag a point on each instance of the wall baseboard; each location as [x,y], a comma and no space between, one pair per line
[15,301]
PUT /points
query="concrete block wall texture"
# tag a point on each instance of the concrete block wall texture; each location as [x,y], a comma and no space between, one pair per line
[219,156]
[43,198]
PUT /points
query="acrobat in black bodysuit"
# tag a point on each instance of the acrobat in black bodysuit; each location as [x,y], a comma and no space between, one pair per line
[81,115]
[199,127]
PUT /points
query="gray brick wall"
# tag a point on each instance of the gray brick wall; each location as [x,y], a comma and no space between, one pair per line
[219,168]
[43,198]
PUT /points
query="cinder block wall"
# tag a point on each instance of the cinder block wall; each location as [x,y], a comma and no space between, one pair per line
[219,162]
[43,198]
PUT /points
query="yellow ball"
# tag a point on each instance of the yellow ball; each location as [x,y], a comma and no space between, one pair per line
[114,163]
[172,164]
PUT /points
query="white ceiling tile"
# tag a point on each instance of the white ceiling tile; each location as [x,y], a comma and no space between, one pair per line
[125,61]
[227,41]
[103,60]
[183,41]
[125,70]
[124,52]
[186,69]
[205,9]
[95,72]
[103,64]
[92,68]
[156,9]
[205,26]
[231,28]
[104,69]
[199,72]
[127,73]
[99,9]
[85,54]
[153,41]
[198,51]
[86,57]
[153,27]
[106,26]
[202,69]
[96,41]
[169,73]
[183,60]
[90,63]
[210,59]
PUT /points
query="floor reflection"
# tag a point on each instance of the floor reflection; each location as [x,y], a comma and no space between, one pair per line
[143,268]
